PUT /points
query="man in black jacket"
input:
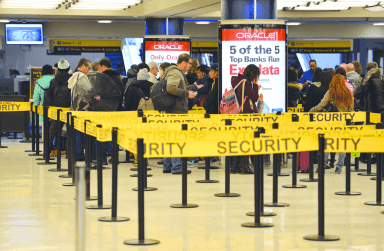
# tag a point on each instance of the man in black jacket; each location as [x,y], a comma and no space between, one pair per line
[106,68]
[61,96]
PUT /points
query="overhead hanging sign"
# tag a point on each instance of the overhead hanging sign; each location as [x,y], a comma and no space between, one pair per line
[74,45]
[321,46]
[165,50]
[263,46]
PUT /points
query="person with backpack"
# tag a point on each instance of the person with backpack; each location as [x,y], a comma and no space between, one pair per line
[352,76]
[138,90]
[42,84]
[61,95]
[130,81]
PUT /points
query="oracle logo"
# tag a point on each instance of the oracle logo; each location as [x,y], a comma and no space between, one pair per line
[168,47]
[273,35]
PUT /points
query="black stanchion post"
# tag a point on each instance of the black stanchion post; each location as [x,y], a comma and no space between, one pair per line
[127,158]
[379,164]
[37,134]
[357,166]
[99,178]
[115,160]
[369,167]
[141,240]
[227,192]
[294,174]
[184,174]
[279,173]
[46,139]
[310,168]
[146,188]
[88,163]
[71,148]
[68,150]
[58,145]
[257,214]
[348,178]
[207,172]
[275,188]
[0,134]
[321,232]
[32,141]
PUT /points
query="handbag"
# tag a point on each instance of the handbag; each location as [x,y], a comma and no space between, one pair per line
[330,108]
[229,103]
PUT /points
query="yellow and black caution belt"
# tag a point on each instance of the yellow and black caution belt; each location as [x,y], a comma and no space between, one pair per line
[7,106]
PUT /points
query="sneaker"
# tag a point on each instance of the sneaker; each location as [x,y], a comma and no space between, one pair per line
[134,165]
[180,172]
[161,162]
[214,159]
[327,166]
[246,169]
[337,170]
[194,161]
[234,169]
[166,171]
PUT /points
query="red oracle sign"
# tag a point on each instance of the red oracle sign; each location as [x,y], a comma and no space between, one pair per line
[166,46]
[253,34]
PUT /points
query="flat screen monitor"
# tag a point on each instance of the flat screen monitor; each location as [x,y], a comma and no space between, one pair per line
[24,33]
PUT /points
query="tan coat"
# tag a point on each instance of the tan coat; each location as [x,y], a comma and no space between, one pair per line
[326,100]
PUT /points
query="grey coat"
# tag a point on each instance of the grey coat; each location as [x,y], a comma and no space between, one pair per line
[176,85]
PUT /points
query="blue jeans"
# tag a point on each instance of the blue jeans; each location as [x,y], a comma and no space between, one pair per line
[173,164]
[80,147]
[340,160]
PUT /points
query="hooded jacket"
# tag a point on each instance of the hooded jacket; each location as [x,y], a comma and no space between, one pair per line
[252,93]
[314,96]
[359,93]
[374,94]
[38,94]
[61,78]
[211,104]
[115,76]
[133,98]
[294,94]
[176,85]
[130,74]
[353,77]
[80,86]
[327,99]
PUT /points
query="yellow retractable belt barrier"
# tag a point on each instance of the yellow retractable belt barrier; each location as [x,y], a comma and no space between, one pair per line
[6,106]
[52,111]
[298,108]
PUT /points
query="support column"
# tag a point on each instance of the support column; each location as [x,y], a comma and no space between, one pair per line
[164,26]
[248,9]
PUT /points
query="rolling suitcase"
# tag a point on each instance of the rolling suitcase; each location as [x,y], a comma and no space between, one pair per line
[303,161]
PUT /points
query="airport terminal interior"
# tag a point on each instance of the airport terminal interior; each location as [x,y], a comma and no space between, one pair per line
[39,212]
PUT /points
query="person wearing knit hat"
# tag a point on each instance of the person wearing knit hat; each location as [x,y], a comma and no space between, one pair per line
[41,84]
[143,74]
[153,71]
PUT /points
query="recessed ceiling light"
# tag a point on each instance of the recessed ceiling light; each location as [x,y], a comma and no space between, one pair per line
[292,23]
[203,22]
[4,21]
[374,8]
[378,24]
[104,21]
[134,16]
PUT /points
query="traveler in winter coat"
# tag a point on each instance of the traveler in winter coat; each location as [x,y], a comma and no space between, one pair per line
[340,70]
[142,85]
[154,70]
[248,81]
[360,94]
[293,88]
[202,79]
[61,96]
[106,68]
[41,84]
[212,103]
[339,96]
[375,91]
[352,76]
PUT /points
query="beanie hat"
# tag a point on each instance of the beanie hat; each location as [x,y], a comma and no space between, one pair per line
[63,64]
[143,74]
[47,70]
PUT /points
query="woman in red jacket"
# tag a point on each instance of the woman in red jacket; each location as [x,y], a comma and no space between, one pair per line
[248,82]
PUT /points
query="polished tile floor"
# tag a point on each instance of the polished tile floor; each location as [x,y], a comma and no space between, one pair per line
[38,213]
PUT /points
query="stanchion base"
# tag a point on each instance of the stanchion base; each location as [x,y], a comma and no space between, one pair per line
[12,137]
[49,163]
[309,180]
[68,184]
[135,169]
[91,198]
[279,174]
[207,181]
[358,170]
[135,175]
[348,193]
[374,178]
[367,174]
[43,158]
[257,225]
[29,151]
[382,212]
[321,238]
[3,146]
[55,170]
[98,207]
[262,214]
[146,189]
[374,203]
[141,242]
[105,167]
[114,219]
[184,205]
[272,204]
[294,186]
[35,154]
[25,141]
[130,161]
[227,195]
[211,167]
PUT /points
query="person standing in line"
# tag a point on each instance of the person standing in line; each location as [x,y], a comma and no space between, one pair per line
[106,68]
[352,76]
[96,66]
[307,76]
[191,73]
[202,73]
[176,85]
[154,70]
[42,84]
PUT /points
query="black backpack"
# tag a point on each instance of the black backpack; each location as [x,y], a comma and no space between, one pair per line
[61,96]
[161,99]
[47,100]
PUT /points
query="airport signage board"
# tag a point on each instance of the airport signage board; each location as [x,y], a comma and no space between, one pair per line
[263,46]
[165,50]
[320,46]
[75,45]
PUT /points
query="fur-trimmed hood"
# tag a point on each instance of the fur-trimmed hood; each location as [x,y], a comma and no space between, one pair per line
[296,86]
[317,84]
[375,72]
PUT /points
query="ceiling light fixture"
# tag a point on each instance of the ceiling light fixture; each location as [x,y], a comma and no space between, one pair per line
[104,21]
[293,23]
[203,22]
[378,24]
[4,21]
[374,8]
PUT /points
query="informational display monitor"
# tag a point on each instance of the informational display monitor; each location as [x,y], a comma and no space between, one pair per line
[165,50]
[24,33]
[261,45]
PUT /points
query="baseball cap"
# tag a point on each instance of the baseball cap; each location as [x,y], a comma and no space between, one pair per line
[63,64]
[214,67]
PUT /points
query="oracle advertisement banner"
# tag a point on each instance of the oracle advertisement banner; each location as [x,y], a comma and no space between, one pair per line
[165,51]
[264,47]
